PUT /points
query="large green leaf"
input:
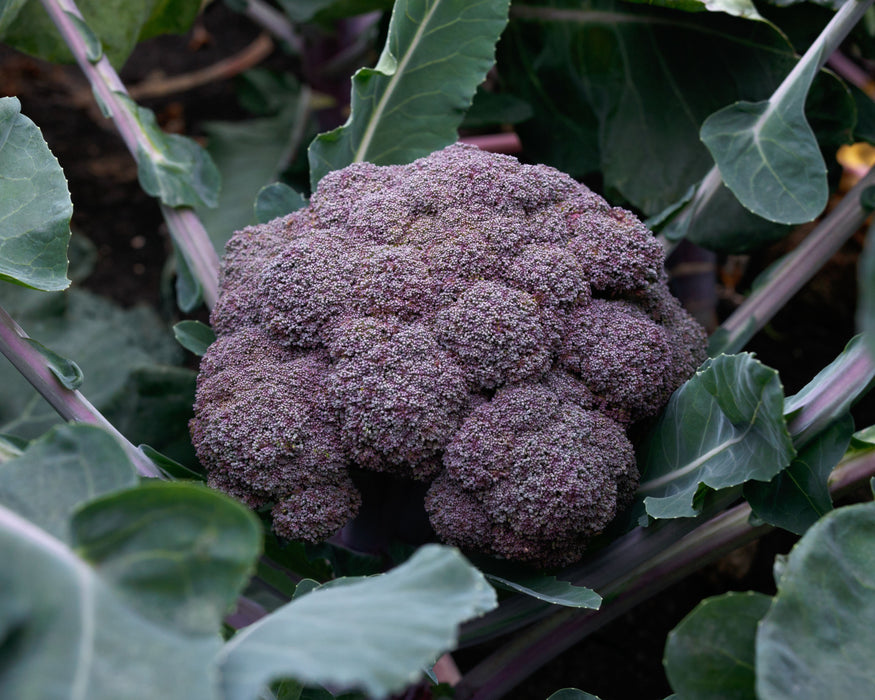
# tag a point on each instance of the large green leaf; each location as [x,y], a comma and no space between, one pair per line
[816,641]
[412,102]
[623,88]
[715,219]
[722,428]
[63,469]
[177,553]
[67,634]
[118,23]
[710,654]
[797,497]
[126,601]
[375,634]
[35,206]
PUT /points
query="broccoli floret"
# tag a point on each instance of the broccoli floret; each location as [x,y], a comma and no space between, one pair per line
[530,477]
[486,327]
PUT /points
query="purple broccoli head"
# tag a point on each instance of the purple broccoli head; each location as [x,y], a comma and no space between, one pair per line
[488,327]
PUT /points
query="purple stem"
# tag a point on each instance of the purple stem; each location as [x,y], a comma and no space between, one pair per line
[850,71]
[184,225]
[797,267]
[71,405]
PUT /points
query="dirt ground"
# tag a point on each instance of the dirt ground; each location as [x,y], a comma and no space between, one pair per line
[622,660]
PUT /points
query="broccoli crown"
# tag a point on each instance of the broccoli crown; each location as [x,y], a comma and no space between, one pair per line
[487,326]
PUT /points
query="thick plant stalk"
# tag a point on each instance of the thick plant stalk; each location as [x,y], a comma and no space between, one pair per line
[794,270]
[184,225]
[70,404]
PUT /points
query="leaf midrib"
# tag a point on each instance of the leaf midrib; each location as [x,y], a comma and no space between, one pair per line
[371,128]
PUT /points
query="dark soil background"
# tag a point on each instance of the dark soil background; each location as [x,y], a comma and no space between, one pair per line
[624,659]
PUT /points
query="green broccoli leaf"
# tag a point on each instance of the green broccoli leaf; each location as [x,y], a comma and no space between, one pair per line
[173,168]
[711,651]
[394,118]
[140,391]
[826,591]
[797,497]
[722,428]
[35,205]
[251,155]
[194,336]
[766,151]
[111,575]
[550,590]
[609,81]
[66,467]
[277,199]
[82,632]
[376,634]
[199,544]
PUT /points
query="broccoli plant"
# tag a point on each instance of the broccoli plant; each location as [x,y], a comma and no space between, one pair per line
[486,326]
[414,334]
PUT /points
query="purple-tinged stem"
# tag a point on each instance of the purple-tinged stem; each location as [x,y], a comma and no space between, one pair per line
[184,225]
[795,269]
[70,404]
[187,230]
[850,71]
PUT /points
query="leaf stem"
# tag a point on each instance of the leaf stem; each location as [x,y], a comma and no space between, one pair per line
[70,404]
[794,270]
[822,48]
[184,225]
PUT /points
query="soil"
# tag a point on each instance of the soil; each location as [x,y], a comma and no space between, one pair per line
[622,660]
